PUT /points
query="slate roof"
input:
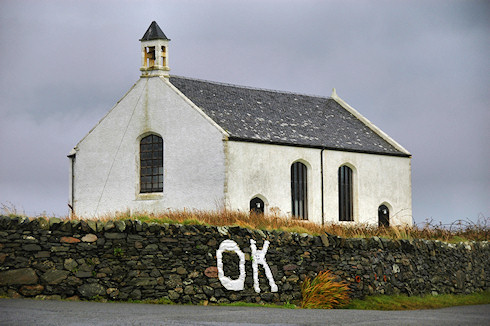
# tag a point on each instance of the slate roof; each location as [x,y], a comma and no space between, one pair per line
[266,116]
[154,32]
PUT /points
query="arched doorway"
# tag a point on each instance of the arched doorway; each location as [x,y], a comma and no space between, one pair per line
[257,205]
[383,216]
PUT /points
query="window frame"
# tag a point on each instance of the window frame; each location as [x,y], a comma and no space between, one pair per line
[151,153]
[346,193]
[299,190]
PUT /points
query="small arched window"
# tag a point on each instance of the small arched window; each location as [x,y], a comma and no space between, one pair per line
[257,205]
[383,216]
[345,194]
[151,164]
[299,190]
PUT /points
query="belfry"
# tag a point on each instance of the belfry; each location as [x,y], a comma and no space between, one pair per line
[154,52]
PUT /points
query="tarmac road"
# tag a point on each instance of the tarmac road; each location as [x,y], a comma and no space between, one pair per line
[38,312]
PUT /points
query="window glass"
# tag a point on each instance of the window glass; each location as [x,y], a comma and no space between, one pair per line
[151,164]
[299,190]
[345,194]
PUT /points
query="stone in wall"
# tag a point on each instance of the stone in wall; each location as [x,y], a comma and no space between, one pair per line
[130,259]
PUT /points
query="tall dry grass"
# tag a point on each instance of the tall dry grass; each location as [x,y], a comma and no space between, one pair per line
[455,232]
[324,292]
[461,230]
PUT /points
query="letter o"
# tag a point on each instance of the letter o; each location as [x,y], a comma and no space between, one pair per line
[228,283]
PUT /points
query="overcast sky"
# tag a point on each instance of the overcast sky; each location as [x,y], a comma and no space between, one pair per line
[419,70]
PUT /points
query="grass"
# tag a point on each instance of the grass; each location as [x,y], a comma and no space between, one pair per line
[403,302]
[458,231]
[382,302]
[324,292]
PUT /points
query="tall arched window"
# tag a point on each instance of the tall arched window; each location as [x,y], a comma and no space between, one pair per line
[345,194]
[299,190]
[151,164]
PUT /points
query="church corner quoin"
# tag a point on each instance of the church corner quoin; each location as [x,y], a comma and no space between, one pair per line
[121,260]
[242,148]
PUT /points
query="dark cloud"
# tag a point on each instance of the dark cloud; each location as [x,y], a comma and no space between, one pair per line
[416,69]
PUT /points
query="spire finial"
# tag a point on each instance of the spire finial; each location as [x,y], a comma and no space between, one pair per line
[334,93]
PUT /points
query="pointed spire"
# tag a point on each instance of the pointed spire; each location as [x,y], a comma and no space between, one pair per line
[334,93]
[154,52]
[154,32]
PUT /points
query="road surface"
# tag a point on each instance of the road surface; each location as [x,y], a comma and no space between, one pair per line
[39,312]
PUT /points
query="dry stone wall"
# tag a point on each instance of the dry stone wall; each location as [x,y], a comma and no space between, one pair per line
[124,260]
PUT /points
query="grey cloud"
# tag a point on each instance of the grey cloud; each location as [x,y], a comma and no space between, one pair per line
[418,70]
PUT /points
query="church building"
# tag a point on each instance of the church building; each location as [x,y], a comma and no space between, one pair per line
[174,143]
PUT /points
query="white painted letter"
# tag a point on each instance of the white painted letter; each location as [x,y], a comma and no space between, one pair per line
[228,283]
[258,257]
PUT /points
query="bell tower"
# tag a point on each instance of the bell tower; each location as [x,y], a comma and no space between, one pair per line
[154,52]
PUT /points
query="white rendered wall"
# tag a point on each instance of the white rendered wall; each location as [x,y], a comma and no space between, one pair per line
[107,159]
[264,170]
[377,180]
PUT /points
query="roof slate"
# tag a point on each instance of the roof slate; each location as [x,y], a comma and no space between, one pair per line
[259,115]
[154,32]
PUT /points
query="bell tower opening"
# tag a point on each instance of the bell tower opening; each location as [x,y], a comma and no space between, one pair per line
[154,52]
[149,56]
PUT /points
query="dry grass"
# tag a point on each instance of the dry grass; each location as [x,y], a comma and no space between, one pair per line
[324,292]
[458,231]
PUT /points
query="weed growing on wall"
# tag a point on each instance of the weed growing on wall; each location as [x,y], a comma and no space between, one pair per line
[324,292]
[118,252]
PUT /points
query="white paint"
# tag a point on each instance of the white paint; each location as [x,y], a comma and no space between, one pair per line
[266,170]
[396,268]
[158,68]
[228,283]
[204,170]
[258,257]
[377,180]
[106,169]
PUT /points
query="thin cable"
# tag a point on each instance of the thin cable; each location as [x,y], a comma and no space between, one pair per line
[119,147]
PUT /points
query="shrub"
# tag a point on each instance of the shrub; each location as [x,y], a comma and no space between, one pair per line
[324,292]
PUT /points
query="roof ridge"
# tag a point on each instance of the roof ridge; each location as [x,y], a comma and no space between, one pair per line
[285,117]
[250,87]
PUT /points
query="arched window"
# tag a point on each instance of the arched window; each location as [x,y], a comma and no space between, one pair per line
[345,194]
[151,164]
[299,190]
[383,216]
[257,205]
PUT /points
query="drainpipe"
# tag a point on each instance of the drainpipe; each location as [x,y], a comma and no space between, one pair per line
[321,172]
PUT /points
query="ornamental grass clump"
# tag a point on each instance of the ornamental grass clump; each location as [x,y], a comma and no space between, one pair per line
[324,292]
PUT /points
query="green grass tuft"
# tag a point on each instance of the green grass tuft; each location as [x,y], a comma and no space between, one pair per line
[403,302]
